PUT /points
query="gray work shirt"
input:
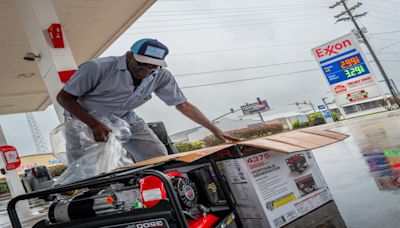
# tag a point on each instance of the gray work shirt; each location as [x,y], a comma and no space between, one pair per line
[105,87]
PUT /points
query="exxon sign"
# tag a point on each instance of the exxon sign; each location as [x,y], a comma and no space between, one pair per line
[334,48]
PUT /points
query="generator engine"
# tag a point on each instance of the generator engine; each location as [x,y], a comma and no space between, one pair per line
[141,194]
[91,203]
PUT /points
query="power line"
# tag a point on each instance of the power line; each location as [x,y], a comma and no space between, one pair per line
[380,7]
[390,1]
[264,46]
[244,48]
[241,68]
[219,22]
[218,27]
[386,19]
[249,79]
[388,32]
[380,22]
[241,8]
[225,16]
[265,9]
[262,77]
[382,12]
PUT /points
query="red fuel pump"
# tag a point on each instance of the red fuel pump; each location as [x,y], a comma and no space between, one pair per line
[10,157]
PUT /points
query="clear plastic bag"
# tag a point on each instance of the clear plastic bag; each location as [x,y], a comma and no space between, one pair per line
[86,157]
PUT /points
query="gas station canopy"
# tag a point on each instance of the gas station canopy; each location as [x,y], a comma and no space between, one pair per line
[90,26]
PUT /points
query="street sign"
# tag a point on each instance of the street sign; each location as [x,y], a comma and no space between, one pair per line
[326,114]
[346,70]
[321,107]
[254,108]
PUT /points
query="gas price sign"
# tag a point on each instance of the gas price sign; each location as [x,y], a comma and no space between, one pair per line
[344,69]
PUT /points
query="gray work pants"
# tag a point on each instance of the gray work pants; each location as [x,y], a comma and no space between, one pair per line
[144,144]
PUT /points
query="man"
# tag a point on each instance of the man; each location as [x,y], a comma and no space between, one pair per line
[116,86]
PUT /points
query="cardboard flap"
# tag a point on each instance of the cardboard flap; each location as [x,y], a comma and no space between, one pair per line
[268,144]
[326,133]
[303,139]
[202,153]
[288,142]
[184,157]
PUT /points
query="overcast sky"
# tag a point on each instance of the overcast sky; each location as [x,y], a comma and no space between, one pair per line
[222,41]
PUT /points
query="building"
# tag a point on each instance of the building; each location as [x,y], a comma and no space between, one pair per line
[363,107]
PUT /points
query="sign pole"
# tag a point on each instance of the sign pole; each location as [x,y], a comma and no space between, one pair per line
[327,107]
[259,113]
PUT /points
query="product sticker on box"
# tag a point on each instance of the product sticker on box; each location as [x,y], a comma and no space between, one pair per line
[276,187]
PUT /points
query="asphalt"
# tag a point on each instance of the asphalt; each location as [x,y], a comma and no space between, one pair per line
[364,187]
[360,171]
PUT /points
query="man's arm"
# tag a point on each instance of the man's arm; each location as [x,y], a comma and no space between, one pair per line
[193,113]
[69,103]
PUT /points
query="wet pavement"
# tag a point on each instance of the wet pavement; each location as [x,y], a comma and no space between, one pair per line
[363,171]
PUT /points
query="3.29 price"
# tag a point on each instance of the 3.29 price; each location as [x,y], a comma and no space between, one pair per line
[354,71]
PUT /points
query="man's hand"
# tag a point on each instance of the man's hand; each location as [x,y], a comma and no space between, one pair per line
[227,138]
[101,132]
[68,101]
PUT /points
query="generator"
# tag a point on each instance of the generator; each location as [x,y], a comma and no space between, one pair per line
[139,198]
[257,183]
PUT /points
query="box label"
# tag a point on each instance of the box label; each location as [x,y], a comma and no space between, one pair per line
[276,188]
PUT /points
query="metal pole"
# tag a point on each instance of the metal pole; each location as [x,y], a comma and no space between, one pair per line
[259,113]
[378,63]
[327,107]
[312,106]
[395,87]
[2,137]
[219,117]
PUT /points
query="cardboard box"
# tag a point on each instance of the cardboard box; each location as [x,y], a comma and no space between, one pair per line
[271,188]
[274,179]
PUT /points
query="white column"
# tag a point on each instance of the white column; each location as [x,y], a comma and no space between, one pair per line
[36,17]
[344,115]
[14,182]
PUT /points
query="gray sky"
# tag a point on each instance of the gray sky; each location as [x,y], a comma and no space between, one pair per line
[215,41]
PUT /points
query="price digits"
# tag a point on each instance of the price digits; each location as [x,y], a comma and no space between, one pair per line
[350,62]
[354,71]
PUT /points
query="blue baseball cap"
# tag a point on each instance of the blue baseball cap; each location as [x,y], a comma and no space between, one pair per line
[150,51]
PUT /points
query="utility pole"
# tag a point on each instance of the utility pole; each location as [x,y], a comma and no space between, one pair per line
[326,105]
[359,31]
[305,103]
[309,102]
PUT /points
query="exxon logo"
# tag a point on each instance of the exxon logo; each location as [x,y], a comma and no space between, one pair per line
[332,49]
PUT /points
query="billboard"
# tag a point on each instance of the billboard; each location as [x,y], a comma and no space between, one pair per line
[346,70]
[254,108]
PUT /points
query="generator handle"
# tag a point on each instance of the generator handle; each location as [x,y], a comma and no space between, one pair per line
[225,191]
[177,209]
[176,206]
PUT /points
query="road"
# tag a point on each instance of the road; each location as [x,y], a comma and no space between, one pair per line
[364,200]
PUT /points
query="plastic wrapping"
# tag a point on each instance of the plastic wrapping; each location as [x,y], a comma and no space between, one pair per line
[86,157]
